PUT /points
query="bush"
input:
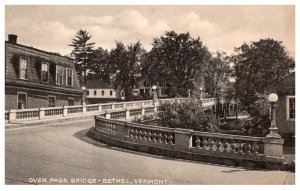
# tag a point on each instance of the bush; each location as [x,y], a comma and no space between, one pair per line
[188,115]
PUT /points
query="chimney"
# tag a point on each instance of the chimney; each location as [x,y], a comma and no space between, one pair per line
[12,38]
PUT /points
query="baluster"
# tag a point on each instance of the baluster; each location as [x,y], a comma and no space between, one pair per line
[248,148]
[170,139]
[219,145]
[131,133]
[210,144]
[149,136]
[165,138]
[141,134]
[233,147]
[160,137]
[226,146]
[154,137]
[255,148]
[145,135]
[198,141]
[240,148]
[204,143]
[136,134]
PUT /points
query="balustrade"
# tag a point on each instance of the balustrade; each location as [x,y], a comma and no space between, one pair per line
[27,114]
[106,106]
[118,115]
[106,126]
[53,111]
[222,143]
[74,109]
[135,112]
[91,108]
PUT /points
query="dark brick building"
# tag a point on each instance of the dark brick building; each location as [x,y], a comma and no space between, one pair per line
[36,78]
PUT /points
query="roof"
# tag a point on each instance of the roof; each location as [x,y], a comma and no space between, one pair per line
[99,84]
[286,84]
[39,50]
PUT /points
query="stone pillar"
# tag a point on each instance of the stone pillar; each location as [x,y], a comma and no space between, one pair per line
[112,106]
[99,108]
[143,111]
[12,115]
[41,113]
[273,151]
[107,115]
[83,109]
[183,141]
[127,114]
[65,111]
[124,105]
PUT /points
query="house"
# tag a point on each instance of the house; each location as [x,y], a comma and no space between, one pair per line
[35,78]
[285,107]
[98,91]
[144,88]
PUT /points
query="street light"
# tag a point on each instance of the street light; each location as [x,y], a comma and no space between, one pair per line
[154,100]
[83,88]
[272,98]
[201,89]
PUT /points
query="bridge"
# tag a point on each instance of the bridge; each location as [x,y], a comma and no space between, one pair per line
[43,154]
[64,153]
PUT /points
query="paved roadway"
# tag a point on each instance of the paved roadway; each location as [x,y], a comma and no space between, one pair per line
[62,153]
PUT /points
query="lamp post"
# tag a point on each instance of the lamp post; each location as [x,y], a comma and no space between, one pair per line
[201,90]
[154,100]
[218,108]
[189,91]
[272,98]
[83,95]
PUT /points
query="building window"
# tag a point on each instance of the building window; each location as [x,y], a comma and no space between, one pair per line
[51,101]
[59,75]
[71,101]
[291,108]
[69,77]
[102,93]
[110,93]
[22,100]
[45,72]
[87,92]
[23,67]
[95,93]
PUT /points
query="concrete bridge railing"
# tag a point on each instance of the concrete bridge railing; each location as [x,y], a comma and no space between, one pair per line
[112,128]
[15,115]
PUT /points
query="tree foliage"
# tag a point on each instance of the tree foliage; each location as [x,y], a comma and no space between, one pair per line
[257,65]
[177,59]
[125,62]
[83,50]
[216,73]
[100,67]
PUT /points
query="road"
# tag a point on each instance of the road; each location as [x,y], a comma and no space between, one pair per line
[64,154]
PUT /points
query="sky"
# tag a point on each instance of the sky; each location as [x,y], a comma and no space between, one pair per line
[220,27]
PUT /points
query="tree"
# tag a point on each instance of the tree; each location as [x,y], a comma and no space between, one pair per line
[83,50]
[126,64]
[216,73]
[177,59]
[100,67]
[258,65]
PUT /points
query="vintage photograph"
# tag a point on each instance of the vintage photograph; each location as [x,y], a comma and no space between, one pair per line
[149,94]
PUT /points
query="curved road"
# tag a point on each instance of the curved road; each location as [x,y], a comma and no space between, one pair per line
[64,154]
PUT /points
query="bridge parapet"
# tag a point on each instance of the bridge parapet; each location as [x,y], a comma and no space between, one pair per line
[188,144]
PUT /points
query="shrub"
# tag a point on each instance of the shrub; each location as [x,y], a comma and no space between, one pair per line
[188,115]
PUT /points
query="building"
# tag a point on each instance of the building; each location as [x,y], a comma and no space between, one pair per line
[98,91]
[285,107]
[35,78]
[144,88]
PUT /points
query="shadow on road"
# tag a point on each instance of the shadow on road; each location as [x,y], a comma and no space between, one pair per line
[83,136]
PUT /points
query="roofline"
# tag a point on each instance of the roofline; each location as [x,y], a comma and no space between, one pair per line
[267,88]
[39,50]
